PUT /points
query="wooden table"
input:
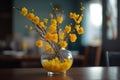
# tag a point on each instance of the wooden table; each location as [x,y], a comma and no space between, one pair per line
[83,73]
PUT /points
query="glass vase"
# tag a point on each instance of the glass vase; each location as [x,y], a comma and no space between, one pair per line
[57,62]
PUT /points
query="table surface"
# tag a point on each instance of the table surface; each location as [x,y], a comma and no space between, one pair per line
[75,73]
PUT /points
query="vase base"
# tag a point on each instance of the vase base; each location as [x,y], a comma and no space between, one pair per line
[54,73]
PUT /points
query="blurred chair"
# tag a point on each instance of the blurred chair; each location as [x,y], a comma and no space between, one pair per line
[112,58]
[91,56]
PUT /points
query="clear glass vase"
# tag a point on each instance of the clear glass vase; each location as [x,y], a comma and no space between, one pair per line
[58,62]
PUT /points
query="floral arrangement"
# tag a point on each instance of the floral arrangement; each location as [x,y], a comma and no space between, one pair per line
[54,36]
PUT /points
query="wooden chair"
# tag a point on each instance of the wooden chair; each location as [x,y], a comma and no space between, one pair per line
[86,57]
[92,56]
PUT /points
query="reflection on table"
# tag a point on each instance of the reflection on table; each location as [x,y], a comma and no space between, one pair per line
[83,73]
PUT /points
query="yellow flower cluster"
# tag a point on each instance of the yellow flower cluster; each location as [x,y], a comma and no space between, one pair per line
[39,43]
[24,11]
[53,34]
[73,37]
[55,65]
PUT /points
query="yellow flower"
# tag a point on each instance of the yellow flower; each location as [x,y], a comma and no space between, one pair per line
[52,28]
[53,22]
[36,20]
[48,36]
[78,21]
[55,37]
[77,27]
[44,27]
[47,47]
[80,30]
[75,16]
[39,43]
[41,24]
[71,15]
[30,16]
[73,37]
[63,44]
[59,20]
[61,36]
[24,11]
[67,29]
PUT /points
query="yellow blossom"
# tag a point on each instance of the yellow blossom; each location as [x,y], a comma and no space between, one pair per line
[75,16]
[71,15]
[47,47]
[61,36]
[53,22]
[52,28]
[67,29]
[30,16]
[24,11]
[41,24]
[36,20]
[63,44]
[59,20]
[78,21]
[55,37]
[80,30]
[77,27]
[48,36]
[44,27]
[39,43]
[73,37]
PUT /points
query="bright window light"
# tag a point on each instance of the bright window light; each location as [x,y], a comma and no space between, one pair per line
[96,14]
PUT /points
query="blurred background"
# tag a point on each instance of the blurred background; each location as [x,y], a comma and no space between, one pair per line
[100,21]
